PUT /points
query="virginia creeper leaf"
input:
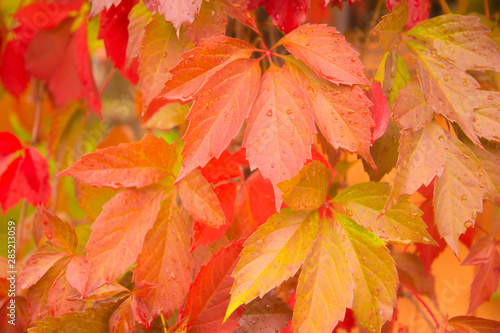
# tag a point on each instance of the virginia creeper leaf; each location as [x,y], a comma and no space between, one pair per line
[12,73]
[79,322]
[209,22]
[218,113]
[421,157]
[138,18]
[325,287]
[326,52]
[58,300]
[418,11]
[118,233]
[389,29]
[266,261]
[77,273]
[288,14]
[485,282]
[308,189]
[461,40]
[490,158]
[175,11]
[58,232]
[165,261]
[160,52]
[136,164]
[200,63]
[92,199]
[199,199]
[122,319]
[374,274]
[209,294]
[471,324]
[411,271]
[99,5]
[411,110]
[266,315]
[401,224]
[280,128]
[380,110]
[458,193]
[487,122]
[449,91]
[37,265]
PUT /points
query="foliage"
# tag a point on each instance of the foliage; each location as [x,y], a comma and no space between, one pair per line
[247,223]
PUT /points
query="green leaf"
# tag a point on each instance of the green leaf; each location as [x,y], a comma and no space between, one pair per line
[449,91]
[374,274]
[389,29]
[461,40]
[78,322]
[400,224]
[325,287]
[458,193]
[272,254]
[307,190]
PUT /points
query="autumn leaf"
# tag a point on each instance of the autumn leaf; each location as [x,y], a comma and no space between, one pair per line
[77,322]
[265,260]
[287,15]
[199,199]
[458,193]
[138,19]
[380,110]
[280,128]
[164,261]
[411,271]
[209,22]
[136,164]
[99,5]
[218,113]
[485,282]
[411,110]
[308,189]
[449,91]
[461,40]
[118,233]
[487,122]
[200,63]
[389,29]
[122,319]
[12,73]
[474,324]
[209,294]
[326,286]
[342,113]
[39,264]
[326,52]
[374,293]
[490,159]
[58,232]
[58,300]
[92,199]
[267,315]
[401,224]
[175,11]
[159,54]
[421,157]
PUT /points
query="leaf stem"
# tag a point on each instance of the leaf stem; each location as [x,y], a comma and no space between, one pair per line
[107,80]
[486,9]
[444,6]
[415,294]
[38,110]
[164,324]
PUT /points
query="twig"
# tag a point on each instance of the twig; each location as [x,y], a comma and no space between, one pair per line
[393,320]
[107,80]
[444,6]
[163,323]
[38,110]
[486,9]
[415,294]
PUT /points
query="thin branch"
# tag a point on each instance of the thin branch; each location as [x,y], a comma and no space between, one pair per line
[38,110]
[163,323]
[444,6]
[486,9]
[107,80]
[417,296]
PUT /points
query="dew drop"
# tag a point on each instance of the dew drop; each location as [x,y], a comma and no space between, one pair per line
[441,138]
[464,197]
[349,212]
[269,113]
[288,112]
[468,224]
[490,97]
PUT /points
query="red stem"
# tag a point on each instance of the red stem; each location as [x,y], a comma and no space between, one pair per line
[486,9]
[414,293]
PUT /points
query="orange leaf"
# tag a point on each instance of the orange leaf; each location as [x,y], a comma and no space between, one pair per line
[58,232]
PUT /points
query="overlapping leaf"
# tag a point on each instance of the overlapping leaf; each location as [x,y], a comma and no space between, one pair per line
[487,122]
[411,110]
[267,315]
[474,324]
[266,261]
[175,11]
[136,164]
[326,284]
[389,29]
[401,224]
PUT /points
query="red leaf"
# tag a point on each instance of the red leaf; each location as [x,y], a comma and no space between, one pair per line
[12,73]
[419,11]
[218,113]
[288,14]
[136,164]
[199,199]
[327,52]
[209,22]
[9,143]
[225,167]
[58,300]
[200,63]
[165,262]
[380,110]
[24,178]
[203,234]
[113,30]
[280,128]
[118,233]
[122,320]
[485,282]
[209,294]
[37,265]
[60,59]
